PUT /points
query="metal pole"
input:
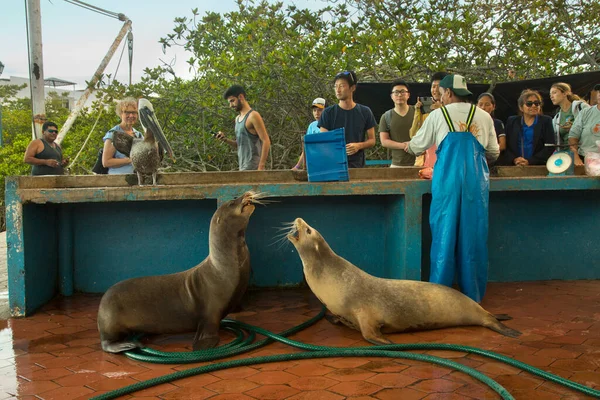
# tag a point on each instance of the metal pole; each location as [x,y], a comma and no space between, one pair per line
[36,66]
[81,102]
[1,141]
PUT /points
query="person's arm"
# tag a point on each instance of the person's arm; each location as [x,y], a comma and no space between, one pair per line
[574,137]
[384,136]
[502,142]
[353,148]
[108,156]
[300,163]
[424,138]
[512,131]
[261,130]
[36,147]
[386,142]
[221,136]
[492,149]
[417,120]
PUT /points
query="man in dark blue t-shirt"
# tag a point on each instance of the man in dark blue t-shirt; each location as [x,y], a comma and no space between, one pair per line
[357,120]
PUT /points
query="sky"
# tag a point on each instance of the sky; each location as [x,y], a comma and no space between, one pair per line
[75,40]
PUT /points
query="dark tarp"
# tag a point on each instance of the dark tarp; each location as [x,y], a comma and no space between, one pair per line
[377,95]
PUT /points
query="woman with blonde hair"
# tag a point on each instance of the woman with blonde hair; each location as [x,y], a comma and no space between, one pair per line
[115,161]
[528,133]
[570,105]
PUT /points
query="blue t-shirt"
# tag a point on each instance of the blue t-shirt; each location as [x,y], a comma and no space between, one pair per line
[313,128]
[527,138]
[123,169]
[355,122]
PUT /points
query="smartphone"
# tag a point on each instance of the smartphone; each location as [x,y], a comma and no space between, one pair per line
[426,104]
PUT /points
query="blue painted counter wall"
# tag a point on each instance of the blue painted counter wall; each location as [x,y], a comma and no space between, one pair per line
[538,230]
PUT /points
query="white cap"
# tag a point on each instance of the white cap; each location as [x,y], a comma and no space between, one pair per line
[319,102]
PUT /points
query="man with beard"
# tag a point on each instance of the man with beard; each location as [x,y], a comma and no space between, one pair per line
[44,154]
[356,119]
[251,138]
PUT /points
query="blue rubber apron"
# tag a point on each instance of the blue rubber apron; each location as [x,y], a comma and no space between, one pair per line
[459,212]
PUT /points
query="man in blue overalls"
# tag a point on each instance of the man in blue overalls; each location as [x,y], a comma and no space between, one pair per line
[465,137]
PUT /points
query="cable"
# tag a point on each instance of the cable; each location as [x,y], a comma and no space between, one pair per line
[87,138]
[119,63]
[98,10]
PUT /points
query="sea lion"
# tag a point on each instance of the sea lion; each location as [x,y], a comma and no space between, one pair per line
[374,305]
[196,299]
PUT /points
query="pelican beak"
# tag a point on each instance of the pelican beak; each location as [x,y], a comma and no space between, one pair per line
[152,127]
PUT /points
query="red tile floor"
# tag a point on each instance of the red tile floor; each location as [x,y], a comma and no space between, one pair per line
[55,354]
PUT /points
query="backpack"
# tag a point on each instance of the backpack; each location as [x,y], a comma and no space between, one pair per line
[388,118]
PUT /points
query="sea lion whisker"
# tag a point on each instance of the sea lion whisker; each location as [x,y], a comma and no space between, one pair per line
[258,195]
[283,228]
[280,241]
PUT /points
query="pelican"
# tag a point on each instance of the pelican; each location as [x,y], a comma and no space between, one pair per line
[146,154]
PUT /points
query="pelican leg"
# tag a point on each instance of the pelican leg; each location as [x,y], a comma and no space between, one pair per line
[154,178]
[140,179]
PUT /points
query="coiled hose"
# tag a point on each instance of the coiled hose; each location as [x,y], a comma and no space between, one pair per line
[246,334]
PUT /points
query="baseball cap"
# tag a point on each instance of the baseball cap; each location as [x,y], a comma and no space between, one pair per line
[457,83]
[319,102]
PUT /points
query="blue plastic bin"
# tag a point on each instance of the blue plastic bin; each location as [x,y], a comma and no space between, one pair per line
[326,159]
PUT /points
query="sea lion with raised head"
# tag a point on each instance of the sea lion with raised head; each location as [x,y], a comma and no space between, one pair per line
[196,299]
[374,305]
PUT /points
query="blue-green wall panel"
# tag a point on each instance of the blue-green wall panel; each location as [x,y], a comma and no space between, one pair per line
[538,235]
[393,239]
[116,241]
[354,226]
[40,234]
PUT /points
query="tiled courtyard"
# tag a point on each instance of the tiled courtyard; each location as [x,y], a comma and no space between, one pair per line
[55,354]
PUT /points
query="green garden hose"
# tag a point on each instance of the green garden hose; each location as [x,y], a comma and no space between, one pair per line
[244,343]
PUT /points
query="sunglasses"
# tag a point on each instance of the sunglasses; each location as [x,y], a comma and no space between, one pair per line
[346,74]
[52,131]
[533,103]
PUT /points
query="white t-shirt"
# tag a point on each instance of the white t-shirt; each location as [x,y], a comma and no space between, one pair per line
[435,129]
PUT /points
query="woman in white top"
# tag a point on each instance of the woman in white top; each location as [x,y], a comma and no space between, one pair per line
[570,105]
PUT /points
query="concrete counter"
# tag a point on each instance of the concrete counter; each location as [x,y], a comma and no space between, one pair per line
[85,233]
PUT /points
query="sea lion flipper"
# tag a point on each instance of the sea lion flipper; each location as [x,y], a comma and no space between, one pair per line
[207,335]
[371,329]
[118,347]
[499,327]
[333,319]
[503,317]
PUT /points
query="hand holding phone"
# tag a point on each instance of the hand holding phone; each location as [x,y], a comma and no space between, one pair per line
[219,135]
[426,103]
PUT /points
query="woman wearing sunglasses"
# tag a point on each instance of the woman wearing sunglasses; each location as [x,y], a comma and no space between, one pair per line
[527,134]
[44,154]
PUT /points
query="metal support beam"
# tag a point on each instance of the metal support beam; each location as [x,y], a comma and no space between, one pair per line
[36,66]
[91,85]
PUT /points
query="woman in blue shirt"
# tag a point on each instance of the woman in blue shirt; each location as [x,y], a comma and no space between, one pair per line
[527,134]
[114,160]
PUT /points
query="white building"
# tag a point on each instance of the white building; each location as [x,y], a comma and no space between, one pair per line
[56,85]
